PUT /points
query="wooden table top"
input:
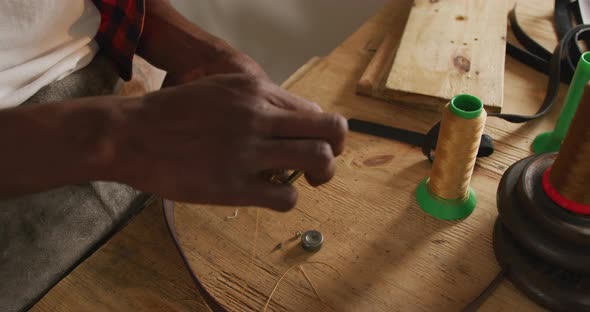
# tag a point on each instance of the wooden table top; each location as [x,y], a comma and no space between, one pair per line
[381,251]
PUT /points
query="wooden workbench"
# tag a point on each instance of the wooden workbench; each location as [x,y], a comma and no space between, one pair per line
[389,254]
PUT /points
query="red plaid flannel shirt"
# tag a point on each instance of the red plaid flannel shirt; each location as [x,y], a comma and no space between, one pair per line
[120,29]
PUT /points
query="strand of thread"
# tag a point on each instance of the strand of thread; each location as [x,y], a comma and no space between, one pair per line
[456,152]
[315,290]
[253,253]
[234,216]
[306,277]
[570,174]
[253,258]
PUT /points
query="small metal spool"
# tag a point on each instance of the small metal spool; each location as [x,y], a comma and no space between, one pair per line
[312,241]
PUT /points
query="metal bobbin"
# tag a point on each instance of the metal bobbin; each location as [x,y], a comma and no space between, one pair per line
[312,241]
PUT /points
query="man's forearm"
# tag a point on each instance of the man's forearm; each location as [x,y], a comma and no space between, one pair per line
[166,30]
[51,145]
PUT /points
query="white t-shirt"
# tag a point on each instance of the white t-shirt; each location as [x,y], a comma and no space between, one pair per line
[42,41]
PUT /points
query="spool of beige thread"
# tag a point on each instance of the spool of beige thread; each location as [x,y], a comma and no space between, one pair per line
[568,181]
[447,194]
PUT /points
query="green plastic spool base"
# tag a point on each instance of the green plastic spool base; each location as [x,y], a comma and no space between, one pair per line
[444,209]
[547,142]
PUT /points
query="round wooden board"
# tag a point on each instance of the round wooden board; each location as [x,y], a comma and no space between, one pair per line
[372,228]
[389,254]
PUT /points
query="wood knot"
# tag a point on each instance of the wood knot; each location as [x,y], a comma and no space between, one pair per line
[462,63]
[378,160]
[433,1]
[463,269]
[460,18]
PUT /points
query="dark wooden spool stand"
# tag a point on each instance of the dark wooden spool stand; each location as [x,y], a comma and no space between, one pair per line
[544,247]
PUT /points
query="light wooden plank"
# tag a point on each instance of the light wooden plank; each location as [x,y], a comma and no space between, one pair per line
[451,47]
[372,82]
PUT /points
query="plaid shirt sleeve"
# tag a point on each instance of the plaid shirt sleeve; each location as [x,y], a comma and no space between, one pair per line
[120,29]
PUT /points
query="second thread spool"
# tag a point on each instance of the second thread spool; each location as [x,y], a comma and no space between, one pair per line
[447,194]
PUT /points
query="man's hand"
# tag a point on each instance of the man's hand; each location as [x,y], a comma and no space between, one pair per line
[163,143]
[227,62]
[215,152]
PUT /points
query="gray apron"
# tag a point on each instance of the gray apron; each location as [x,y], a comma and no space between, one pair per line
[45,236]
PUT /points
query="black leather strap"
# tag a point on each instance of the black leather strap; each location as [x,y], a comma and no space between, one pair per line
[527,42]
[425,141]
[561,60]
[535,55]
[527,58]
[474,305]
[562,18]
[367,127]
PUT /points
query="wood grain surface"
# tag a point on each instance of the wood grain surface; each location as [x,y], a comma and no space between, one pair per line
[450,47]
[139,269]
[392,256]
